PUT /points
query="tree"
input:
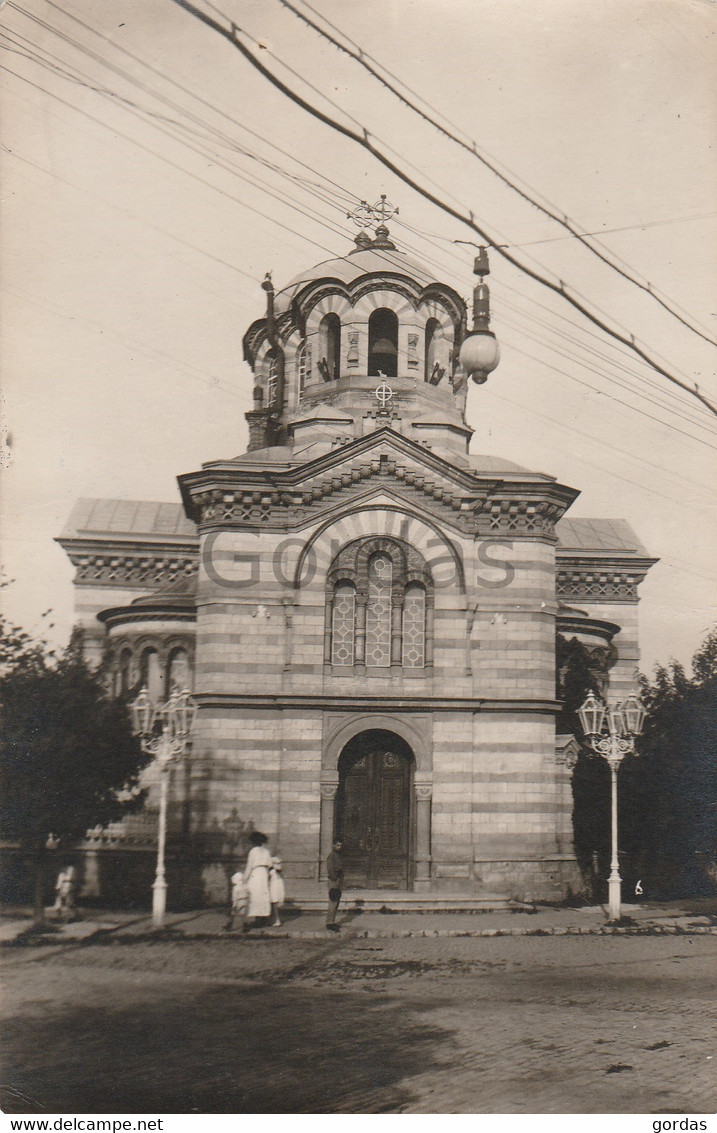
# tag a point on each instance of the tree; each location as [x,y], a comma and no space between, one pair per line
[670,791]
[580,671]
[68,759]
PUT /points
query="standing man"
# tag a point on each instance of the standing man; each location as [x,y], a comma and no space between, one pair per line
[335,870]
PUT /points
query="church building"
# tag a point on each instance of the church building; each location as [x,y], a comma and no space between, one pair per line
[365,610]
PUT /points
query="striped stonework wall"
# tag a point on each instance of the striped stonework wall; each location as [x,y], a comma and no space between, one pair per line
[266,765]
[451,833]
[521,808]
[89,602]
[512,650]
[623,676]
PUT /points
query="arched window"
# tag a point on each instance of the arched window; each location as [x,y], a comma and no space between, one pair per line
[414,627]
[330,345]
[301,369]
[383,343]
[151,674]
[378,610]
[124,672]
[342,624]
[179,674]
[273,380]
[434,335]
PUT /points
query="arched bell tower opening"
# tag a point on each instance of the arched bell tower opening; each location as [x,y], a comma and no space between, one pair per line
[373,813]
[330,345]
[383,343]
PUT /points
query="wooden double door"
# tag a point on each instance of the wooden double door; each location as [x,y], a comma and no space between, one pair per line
[373,810]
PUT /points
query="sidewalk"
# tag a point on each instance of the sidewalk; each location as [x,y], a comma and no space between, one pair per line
[670,918]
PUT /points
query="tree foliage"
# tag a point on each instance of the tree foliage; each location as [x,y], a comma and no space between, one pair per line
[576,677]
[68,759]
[669,793]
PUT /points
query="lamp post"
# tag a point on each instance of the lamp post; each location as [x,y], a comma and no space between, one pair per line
[624,722]
[164,730]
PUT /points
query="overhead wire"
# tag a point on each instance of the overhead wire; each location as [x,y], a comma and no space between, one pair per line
[321,219]
[347,194]
[365,60]
[500,286]
[541,362]
[168,161]
[185,90]
[615,381]
[364,140]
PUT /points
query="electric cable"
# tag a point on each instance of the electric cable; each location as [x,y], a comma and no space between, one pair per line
[229,141]
[364,60]
[321,220]
[364,140]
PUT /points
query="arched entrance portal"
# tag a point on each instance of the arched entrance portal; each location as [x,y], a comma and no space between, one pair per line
[372,814]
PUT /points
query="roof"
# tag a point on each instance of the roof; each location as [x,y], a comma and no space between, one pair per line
[183,591]
[154,519]
[127,517]
[348,268]
[493,464]
[598,535]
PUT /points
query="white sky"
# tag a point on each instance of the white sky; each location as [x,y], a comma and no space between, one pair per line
[131,257]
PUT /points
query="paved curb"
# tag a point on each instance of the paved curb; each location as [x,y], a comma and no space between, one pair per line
[348,932]
[388,934]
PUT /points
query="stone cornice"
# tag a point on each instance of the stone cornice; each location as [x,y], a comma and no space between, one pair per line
[384,704]
[133,615]
[131,567]
[602,577]
[231,496]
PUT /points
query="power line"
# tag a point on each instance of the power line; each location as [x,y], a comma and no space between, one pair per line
[166,160]
[228,141]
[164,122]
[126,212]
[363,59]
[364,140]
[133,107]
[351,197]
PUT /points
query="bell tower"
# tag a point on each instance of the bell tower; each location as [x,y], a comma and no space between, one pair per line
[366,341]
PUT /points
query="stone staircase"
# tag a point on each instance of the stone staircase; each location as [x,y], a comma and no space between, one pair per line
[310,897]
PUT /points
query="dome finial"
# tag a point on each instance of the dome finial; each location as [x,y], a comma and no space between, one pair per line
[366,215]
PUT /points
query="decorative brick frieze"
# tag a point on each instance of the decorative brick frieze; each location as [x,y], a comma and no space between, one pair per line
[518,517]
[598,585]
[279,509]
[147,572]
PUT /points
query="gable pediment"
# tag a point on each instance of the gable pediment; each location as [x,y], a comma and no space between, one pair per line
[259,496]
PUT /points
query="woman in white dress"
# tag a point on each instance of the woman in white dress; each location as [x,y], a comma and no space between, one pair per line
[256,879]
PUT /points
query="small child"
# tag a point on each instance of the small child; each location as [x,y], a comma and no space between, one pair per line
[239,900]
[66,893]
[277,892]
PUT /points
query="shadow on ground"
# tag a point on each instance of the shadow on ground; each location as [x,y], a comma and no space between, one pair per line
[220,1049]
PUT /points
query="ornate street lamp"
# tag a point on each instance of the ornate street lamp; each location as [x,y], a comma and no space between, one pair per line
[164,731]
[480,354]
[624,723]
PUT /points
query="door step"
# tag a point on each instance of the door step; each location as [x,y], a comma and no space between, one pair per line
[400,901]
